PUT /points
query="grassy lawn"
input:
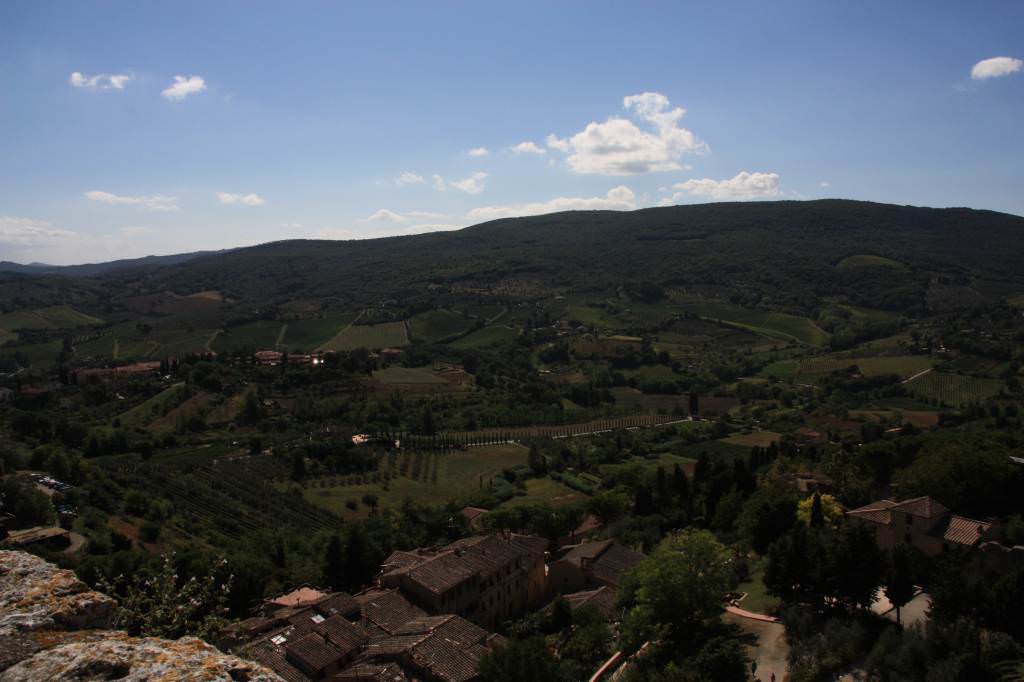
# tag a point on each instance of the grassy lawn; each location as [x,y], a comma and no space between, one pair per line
[757,600]
[434,480]
[546,491]
[386,335]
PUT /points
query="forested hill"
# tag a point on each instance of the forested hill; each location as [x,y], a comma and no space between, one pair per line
[786,254]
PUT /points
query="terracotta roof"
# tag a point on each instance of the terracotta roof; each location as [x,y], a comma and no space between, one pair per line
[965,531]
[924,507]
[448,648]
[312,652]
[299,597]
[387,609]
[607,560]
[472,512]
[273,656]
[338,603]
[462,560]
[881,511]
[347,636]
[372,672]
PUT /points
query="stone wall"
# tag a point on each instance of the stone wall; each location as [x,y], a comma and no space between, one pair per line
[53,627]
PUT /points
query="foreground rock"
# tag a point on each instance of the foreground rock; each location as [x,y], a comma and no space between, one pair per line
[53,627]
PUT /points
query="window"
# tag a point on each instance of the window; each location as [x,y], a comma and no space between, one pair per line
[317,618]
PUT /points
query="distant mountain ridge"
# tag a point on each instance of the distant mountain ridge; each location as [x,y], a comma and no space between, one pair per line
[96,269]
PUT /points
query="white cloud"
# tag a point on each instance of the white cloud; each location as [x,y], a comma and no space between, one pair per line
[474,184]
[29,232]
[384,215]
[743,186]
[409,178]
[243,199]
[824,184]
[439,183]
[619,198]
[621,147]
[388,216]
[154,203]
[101,81]
[478,151]
[527,148]
[995,67]
[430,227]
[183,86]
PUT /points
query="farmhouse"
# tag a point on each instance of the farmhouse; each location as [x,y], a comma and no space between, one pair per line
[487,579]
[591,564]
[108,374]
[921,522]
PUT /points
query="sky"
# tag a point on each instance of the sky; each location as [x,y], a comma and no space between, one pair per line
[129,129]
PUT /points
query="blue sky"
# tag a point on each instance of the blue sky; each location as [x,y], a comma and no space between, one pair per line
[133,128]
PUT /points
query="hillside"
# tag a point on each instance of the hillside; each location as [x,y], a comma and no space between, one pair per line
[775,254]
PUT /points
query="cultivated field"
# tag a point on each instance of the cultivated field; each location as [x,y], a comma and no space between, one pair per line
[956,390]
[54,317]
[434,326]
[258,335]
[759,439]
[488,336]
[372,336]
[427,478]
[864,260]
[311,333]
[767,323]
[903,366]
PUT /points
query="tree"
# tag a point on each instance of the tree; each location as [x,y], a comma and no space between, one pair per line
[561,614]
[298,467]
[817,516]
[334,565]
[520,659]
[899,581]
[675,592]
[536,461]
[828,511]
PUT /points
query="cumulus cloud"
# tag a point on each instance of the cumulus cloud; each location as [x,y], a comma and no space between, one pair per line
[409,178]
[478,151]
[384,215]
[439,183]
[621,146]
[743,186]
[154,203]
[474,184]
[29,232]
[995,67]
[527,148]
[243,199]
[136,230]
[619,198]
[183,86]
[101,81]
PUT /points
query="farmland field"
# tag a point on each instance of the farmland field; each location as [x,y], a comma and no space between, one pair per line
[957,390]
[258,335]
[546,491]
[372,336]
[54,317]
[765,322]
[311,333]
[760,439]
[594,317]
[864,260]
[436,325]
[902,366]
[488,336]
[155,407]
[428,478]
